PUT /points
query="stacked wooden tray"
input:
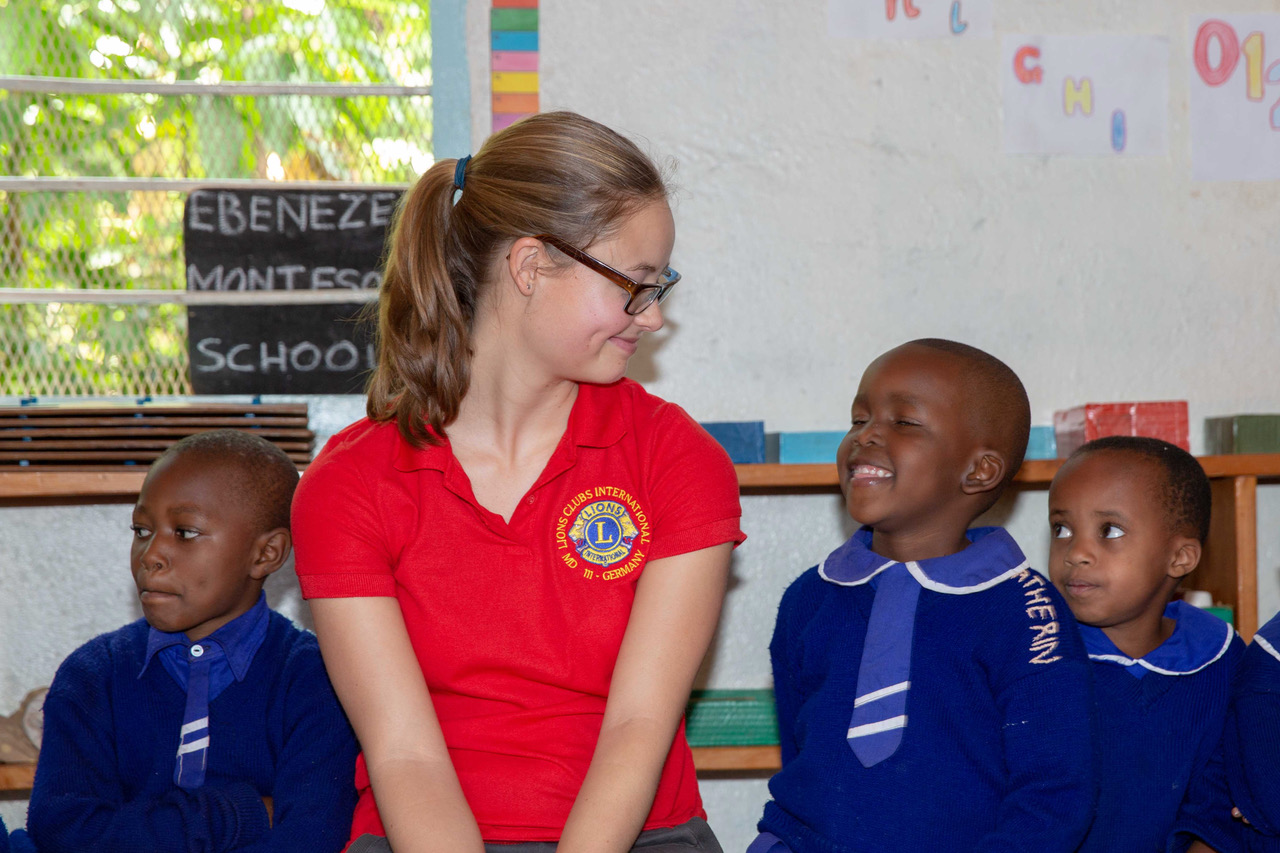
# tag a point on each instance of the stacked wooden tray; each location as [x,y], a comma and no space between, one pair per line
[105,436]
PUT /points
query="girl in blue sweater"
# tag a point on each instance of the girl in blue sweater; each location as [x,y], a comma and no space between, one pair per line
[1253,741]
[1128,517]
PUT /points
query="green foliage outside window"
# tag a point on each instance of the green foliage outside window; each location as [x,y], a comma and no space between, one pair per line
[98,239]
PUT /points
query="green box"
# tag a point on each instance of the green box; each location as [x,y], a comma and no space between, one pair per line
[731,718]
[1226,614]
[1242,434]
[519,20]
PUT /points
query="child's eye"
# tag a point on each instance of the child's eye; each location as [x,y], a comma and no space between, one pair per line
[905,422]
[1060,531]
[139,532]
[859,420]
[187,533]
[1111,531]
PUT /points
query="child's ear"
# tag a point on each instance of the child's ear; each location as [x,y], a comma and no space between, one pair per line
[270,551]
[1186,556]
[985,472]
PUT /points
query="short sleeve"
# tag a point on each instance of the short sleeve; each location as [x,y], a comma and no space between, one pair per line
[693,487]
[339,541]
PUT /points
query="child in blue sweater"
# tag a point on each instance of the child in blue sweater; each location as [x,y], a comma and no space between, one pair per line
[1253,741]
[932,690]
[1128,518]
[211,724]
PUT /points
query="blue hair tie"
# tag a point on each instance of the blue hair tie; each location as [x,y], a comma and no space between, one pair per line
[460,172]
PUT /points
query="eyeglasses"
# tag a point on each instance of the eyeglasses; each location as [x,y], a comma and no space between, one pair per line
[642,295]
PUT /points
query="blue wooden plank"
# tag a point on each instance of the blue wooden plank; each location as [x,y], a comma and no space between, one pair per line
[514,40]
[809,448]
[742,440]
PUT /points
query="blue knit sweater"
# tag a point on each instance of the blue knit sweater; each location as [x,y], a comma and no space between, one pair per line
[1163,779]
[1253,740]
[997,754]
[105,776]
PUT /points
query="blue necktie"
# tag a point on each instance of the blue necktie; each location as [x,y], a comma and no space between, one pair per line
[880,705]
[193,740]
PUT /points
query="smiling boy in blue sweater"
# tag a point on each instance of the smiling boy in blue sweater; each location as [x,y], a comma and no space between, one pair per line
[211,725]
[932,690]
[1128,517]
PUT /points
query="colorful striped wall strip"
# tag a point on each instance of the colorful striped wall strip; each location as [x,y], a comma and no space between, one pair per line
[513,25]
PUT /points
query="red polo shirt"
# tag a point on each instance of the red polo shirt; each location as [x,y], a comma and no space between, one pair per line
[517,625]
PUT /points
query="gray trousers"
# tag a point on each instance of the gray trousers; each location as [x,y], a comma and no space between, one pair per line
[692,836]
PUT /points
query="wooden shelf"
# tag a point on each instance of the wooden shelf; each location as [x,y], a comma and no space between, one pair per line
[1228,569]
[18,485]
[712,759]
[17,777]
[1034,472]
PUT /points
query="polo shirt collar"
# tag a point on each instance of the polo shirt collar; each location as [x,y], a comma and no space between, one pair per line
[596,420]
[1268,638]
[992,557]
[238,640]
[1198,639]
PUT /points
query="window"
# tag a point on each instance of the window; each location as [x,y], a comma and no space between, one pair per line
[111,111]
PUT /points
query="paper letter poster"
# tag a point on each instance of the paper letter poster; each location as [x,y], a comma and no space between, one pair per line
[1104,95]
[909,19]
[1235,98]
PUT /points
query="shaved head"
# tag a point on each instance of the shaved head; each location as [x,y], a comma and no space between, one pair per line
[999,408]
[264,475]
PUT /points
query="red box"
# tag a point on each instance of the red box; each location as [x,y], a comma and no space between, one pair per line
[1166,420]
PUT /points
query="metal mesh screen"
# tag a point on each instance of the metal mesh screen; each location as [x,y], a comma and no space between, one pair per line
[87,236]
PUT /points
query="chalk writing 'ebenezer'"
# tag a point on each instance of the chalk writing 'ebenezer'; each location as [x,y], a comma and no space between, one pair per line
[225,212]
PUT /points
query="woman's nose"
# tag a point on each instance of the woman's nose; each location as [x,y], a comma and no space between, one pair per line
[650,319]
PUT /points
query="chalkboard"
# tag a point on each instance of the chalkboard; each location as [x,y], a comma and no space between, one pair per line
[272,240]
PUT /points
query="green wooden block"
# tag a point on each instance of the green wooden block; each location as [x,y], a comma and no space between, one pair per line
[525,20]
[731,718]
[1242,434]
[1226,614]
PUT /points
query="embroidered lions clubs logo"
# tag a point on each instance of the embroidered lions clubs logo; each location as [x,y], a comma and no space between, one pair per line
[603,532]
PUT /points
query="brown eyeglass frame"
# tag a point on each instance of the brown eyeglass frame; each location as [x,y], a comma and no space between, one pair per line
[637,290]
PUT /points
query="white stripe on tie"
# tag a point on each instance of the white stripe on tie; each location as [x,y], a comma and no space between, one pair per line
[197,725]
[194,746]
[881,693]
[876,728]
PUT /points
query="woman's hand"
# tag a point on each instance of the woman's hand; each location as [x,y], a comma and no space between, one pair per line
[377,677]
[672,622]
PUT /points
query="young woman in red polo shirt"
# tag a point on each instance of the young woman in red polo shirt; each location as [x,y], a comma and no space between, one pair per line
[516,563]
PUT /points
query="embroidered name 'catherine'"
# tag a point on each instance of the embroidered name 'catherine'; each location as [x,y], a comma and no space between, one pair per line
[1044,619]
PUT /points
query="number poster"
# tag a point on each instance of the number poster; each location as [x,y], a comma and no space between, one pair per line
[1235,98]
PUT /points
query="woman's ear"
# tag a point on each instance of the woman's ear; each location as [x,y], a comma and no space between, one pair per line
[985,472]
[524,262]
[1186,556]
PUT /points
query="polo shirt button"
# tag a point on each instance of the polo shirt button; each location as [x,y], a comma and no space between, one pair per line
[530,499]
[197,651]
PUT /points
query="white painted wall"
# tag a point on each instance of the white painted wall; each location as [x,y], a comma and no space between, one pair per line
[837,198]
